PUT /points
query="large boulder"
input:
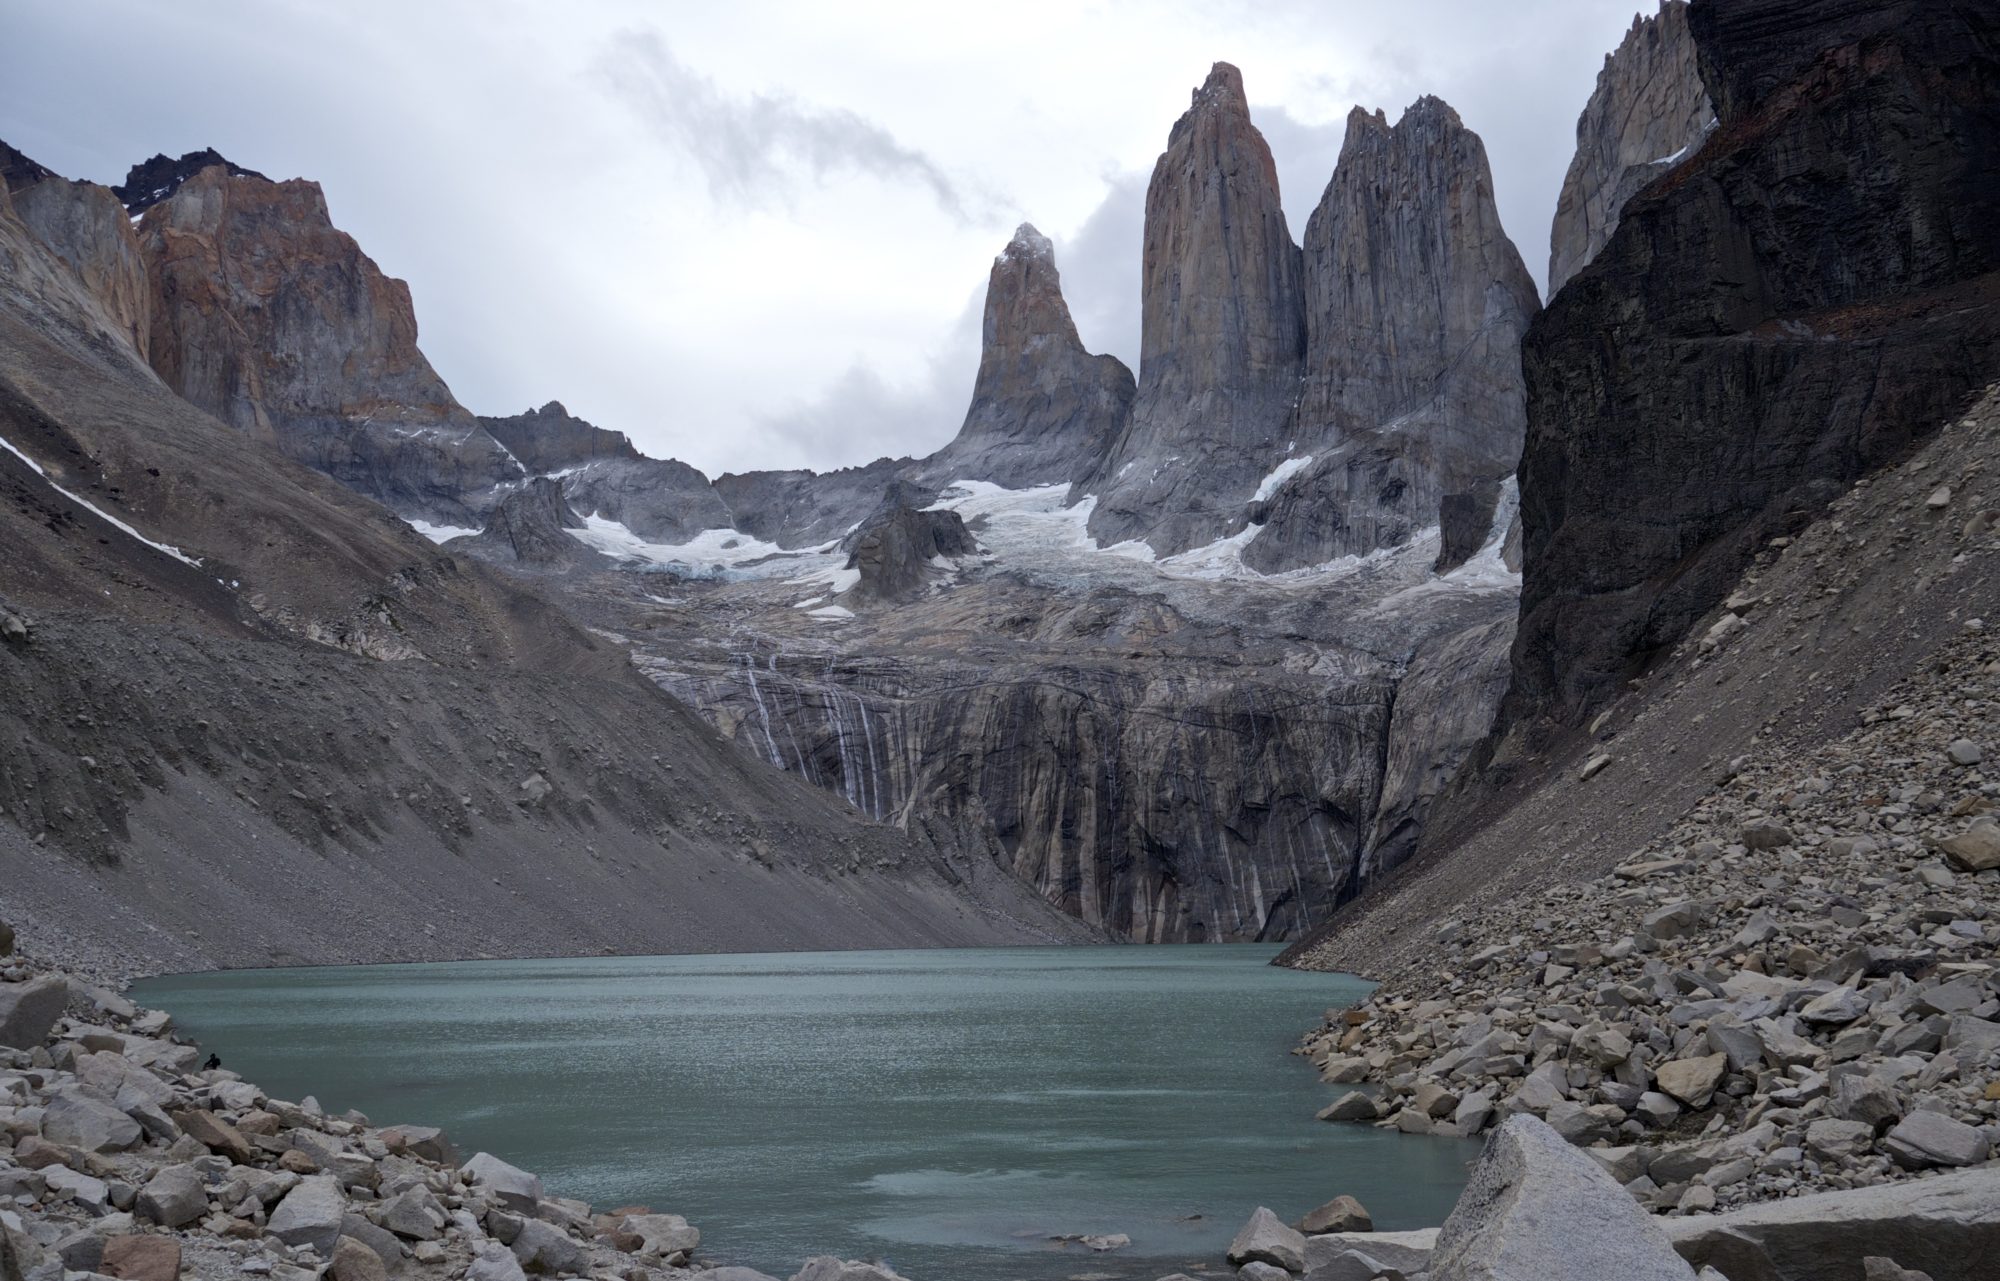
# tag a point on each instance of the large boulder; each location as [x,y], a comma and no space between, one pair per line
[1948,1226]
[512,1186]
[28,1011]
[152,1257]
[825,1267]
[663,1236]
[1924,1139]
[1536,1209]
[546,1249]
[1403,1251]
[173,1197]
[1267,1239]
[311,1214]
[76,1119]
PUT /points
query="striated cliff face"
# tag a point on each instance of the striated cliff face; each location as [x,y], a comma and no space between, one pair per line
[1649,112]
[1812,291]
[1044,410]
[896,553]
[1415,303]
[270,318]
[1222,334]
[84,225]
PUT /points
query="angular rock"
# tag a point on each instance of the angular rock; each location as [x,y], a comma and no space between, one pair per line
[1267,1239]
[173,1197]
[215,1134]
[1692,1081]
[1352,1106]
[514,1187]
[495,1262]
[1647,114]
[1977,849]
[1407,1252]
[311,1214]
[1838,1139]
[545,1249]
[353,1261]
[1044,411]
[28,1011]
[1537,1208]
[1342,1214]
[663,1236]
[1935,1224]
[827,1268]
[1924,1139]
[77,1120]
[141,1258]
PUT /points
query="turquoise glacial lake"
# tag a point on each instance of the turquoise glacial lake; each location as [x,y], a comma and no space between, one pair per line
[949,1112]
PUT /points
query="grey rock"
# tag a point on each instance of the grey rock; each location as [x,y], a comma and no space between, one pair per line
[91,1193]
[1924,1139]
[1222,335]
[514,1187]
[1647,113]
[353,1261]
[1352,1106]
[1407,1252]
[311,1214]
[1692,1081]
[1265,1238]
[1868,1099]
[529,529]
[1839,1140]
[894,553]
[173,1197]
[1537,1208]
[546,1249]
[664,1235]
[495,1263]
[827,1268]
[77,1120]
[29,1010]
[1938,1224]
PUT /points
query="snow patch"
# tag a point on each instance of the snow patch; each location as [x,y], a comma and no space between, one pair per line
[712,551]
[99,512]
[830,612]
[1279,475]
[439,533]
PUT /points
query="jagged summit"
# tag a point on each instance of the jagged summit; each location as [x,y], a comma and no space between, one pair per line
[1044,410]
[151,181]
[18,171]
[1647,112]
[1028,243]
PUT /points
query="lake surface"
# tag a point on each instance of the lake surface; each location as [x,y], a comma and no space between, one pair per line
[948,1111]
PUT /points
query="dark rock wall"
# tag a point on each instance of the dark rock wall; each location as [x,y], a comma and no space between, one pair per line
[1811,292]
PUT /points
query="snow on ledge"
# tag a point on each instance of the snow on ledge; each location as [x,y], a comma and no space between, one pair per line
[99,512]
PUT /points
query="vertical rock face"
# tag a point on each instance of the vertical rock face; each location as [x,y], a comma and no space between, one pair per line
[1223,333]
[1415,304]
[1812,291]
[894,554]
[88,230]
[1044,410]
[268,317]
[1648,113]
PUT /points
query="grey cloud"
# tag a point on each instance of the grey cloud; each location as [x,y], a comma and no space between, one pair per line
[862,416]
[752,147]
[1101,269]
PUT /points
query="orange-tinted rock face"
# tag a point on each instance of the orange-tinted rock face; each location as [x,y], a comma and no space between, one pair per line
[268,316]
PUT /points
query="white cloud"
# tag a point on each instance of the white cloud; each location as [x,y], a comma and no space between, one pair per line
[795,212]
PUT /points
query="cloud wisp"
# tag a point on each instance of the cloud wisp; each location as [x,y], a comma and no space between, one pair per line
[755,147]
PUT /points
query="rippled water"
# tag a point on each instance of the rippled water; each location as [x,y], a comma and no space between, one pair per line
[949,1111]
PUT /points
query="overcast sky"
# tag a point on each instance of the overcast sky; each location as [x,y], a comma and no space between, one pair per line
[757,234]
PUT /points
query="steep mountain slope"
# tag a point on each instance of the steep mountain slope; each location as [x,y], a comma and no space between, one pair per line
[1648,113]
[250,716]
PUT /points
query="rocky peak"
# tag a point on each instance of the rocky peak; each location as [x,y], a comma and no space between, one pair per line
[151,181]
[1648,113]
[552,439]
[274,320]
[894,553]
[1222,336]
[1043,409]
[18,171]
[1415,303]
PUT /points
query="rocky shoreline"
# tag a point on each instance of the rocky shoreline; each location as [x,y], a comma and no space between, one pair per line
[1796,990]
